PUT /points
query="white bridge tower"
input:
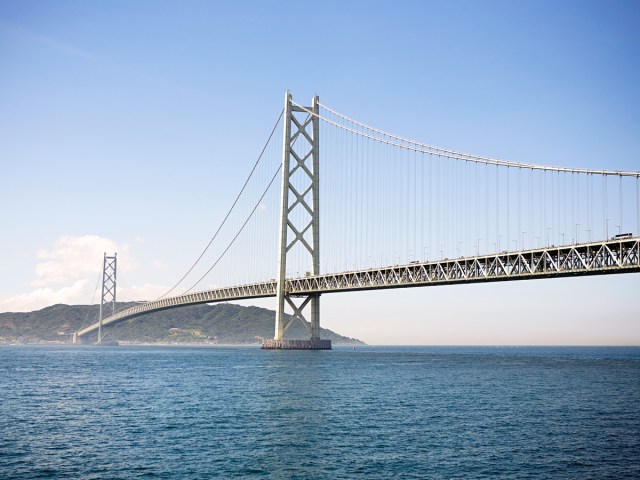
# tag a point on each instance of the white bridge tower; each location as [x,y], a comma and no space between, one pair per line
[299,221]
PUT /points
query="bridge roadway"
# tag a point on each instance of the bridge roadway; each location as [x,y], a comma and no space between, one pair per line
[597,258]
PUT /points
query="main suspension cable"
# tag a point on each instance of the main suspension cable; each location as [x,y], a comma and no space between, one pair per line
[93,297]
[443,152]
[239,230]
[228,212]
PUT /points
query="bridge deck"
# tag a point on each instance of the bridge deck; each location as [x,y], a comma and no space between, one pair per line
[598,258]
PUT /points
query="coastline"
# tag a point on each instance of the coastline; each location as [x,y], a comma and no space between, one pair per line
[155,344]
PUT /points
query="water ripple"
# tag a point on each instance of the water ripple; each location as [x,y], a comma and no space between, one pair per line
[191,413]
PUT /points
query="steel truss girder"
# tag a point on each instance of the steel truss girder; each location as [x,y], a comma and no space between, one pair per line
[613,256]
[598,258]
[256,290]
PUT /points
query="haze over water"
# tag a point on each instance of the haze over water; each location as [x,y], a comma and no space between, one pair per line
[373,412]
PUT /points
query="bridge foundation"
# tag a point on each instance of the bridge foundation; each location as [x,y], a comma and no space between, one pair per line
[80,340]
[317,344]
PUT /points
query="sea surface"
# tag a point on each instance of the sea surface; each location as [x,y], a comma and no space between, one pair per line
[84,412]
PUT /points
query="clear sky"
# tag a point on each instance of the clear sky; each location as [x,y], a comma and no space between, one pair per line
[129,126]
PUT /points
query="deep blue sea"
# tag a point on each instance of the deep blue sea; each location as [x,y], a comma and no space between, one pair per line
[84,412]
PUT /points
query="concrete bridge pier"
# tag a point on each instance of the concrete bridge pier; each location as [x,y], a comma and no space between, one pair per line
[79,340]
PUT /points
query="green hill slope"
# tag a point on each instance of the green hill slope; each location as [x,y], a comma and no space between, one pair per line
[220,323]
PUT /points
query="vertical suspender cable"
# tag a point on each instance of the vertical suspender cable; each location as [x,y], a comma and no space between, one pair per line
[590,206]
[422,187]
[605,209]
[415,203]
[354,192]
[454,203]
[519,231]
[554,186]
[531,222]
[408,204]
[637,205]
[579,202]
[440,203]
[476,189]
[497,214]
[621,204]
[543,203]
[508,239]
[486,203]
[563,222]
[573,201]
[362,219]
[588,202]
[546,216]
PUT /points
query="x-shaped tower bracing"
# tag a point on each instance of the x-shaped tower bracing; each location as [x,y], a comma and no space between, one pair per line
[299,202]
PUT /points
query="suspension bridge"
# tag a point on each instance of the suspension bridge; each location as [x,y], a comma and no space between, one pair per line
[396,213]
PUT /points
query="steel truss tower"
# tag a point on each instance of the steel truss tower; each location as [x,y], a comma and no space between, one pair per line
[299,219]
[108,288]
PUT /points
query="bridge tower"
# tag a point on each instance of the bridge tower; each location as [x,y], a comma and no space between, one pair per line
[109,268]
[299,220]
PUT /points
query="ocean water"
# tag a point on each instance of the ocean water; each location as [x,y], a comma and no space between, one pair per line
[84,412]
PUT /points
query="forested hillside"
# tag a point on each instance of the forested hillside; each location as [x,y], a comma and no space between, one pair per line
[223,323]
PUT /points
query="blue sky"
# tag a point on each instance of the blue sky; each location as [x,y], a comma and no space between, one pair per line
[108,108]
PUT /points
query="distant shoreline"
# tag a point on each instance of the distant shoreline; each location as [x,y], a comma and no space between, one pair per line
[158,344]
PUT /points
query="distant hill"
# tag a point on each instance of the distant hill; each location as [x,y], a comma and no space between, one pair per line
[222,323]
